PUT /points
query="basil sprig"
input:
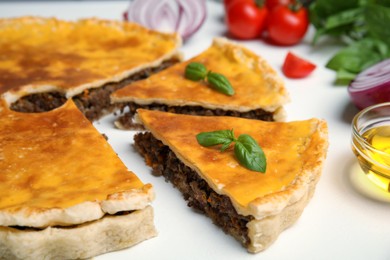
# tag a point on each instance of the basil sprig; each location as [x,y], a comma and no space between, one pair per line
[197,71]
[362,25]
[246,149]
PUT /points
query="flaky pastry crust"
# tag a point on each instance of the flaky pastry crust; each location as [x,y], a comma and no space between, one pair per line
[48,54]
[57,169]
[256,84]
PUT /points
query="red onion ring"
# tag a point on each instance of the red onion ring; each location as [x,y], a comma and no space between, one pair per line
[182,16]
[371,86]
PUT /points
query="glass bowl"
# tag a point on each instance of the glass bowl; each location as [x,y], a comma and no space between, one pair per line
[371,143]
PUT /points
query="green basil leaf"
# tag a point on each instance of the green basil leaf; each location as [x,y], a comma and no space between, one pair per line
[220,83]
[224,137]
[383,2]
[195,71]
[320,10]
[250,154]
[378,20]
[349,16]
[225,146]
[359,56]
[344,77]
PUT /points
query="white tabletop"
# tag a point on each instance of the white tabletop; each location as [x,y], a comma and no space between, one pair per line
[346,218]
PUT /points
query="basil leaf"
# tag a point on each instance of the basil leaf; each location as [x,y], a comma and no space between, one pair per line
[225,146]
[195,71]
[250,154]
[344,77]
[359,56]
[320,10]
[220,83]
[224,137]
[383,2]
[378,20]
[343,18]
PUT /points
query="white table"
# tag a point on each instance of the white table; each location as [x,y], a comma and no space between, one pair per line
[345,219]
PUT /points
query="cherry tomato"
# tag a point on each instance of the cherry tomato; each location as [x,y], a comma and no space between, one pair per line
[245,20]
[296,67]
[271,4]
[286,26]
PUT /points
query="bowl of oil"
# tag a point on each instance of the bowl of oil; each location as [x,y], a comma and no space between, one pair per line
[371,143]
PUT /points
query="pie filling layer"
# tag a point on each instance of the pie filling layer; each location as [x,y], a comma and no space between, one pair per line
[94,102]
[195,190]
[126,120]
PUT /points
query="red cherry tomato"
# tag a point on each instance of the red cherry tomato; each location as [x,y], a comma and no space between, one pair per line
[286,26]
[245,20]
[296,67]
[271,4]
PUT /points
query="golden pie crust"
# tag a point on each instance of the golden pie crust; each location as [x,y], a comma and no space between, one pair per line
[256,84]
[295,153]
[47,54]
[57,169]
[293,150]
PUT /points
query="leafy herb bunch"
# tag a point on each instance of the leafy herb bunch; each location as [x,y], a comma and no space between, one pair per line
[363,24]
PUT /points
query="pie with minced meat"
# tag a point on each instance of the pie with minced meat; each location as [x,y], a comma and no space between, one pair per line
[45,61]
[259,91]
[64,192]
[253,207]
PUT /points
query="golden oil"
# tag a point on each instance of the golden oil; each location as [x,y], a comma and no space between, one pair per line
[372,148]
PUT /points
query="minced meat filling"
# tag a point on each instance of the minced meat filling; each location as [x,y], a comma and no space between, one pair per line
[195,190]
[94,102]
[126,119]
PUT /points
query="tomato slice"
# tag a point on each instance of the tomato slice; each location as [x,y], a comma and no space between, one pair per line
[296,67]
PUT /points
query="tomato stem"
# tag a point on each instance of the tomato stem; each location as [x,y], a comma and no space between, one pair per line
[260,3]
[295,6]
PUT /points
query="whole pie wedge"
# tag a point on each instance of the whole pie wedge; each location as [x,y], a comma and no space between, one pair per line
[45,61]
[64,193]
[259,91]
[251,206]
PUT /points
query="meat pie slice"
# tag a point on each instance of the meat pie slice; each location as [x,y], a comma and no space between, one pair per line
[259,91]
[64,193]
[251,206]
[45,61]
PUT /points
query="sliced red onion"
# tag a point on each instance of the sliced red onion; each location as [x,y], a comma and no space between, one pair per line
[182,16]
[371,86]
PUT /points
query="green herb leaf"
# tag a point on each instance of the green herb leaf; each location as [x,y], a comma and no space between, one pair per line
[359,56]
[343,18]
[246,149]
[250,154]
[224,137]
[344,77]
[378,20]
[220,83]
[195,71]
[362,24]
[383,2]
